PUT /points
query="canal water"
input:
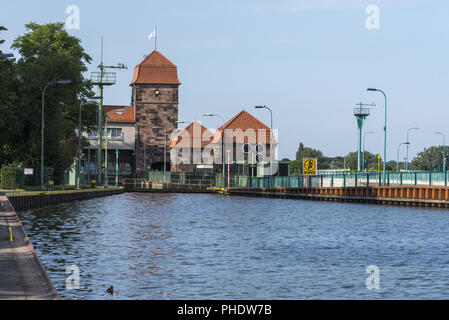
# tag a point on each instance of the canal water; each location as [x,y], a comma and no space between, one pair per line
[198,246]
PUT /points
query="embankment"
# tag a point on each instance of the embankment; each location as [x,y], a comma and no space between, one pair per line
[22,201]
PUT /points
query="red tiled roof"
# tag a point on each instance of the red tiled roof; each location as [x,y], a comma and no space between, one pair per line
[155,69]
[242,124]
[196,134]
[126,117]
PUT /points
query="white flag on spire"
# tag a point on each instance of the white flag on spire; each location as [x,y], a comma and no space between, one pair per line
[152,34]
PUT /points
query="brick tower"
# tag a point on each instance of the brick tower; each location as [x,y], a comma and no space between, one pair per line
[155,97]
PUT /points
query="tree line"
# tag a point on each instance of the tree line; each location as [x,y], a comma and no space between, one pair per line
[47,53]
[430,159]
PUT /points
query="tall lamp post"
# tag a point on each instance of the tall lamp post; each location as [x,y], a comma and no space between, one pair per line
[78,164]
[385,135]
[43,125]
[444,149]
[222,140]
[406,143]
[165,147]
[408,140]
[271,142]
[106,116]
[364,139]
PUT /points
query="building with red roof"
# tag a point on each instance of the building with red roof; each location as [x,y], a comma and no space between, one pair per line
[121,138]
[155,88]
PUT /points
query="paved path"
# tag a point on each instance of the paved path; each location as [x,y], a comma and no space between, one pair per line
[22,276]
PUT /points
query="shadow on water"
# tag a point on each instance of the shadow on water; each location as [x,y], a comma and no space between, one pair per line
[181,246]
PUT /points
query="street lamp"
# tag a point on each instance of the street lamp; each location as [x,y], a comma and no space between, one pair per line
[385,135]
[406,143]
[222,139]
[43,125]
[78,165]
[184,122]
[106,116]
[165,147]
[271,142]
[364,139]
[444,149]
[408,133]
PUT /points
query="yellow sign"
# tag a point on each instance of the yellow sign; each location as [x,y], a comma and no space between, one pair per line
[51,183]
[310,166]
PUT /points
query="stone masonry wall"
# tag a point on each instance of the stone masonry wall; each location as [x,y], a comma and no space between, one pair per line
[154,110]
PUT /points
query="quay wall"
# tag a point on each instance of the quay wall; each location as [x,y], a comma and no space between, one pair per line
[397,195]
[36,200]
[22,275]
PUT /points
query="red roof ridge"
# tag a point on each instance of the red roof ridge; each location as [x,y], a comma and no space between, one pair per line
[238,115]
[126,117]
[156,69]
[163,60]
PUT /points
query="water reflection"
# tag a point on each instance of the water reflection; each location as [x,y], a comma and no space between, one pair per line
[168,246]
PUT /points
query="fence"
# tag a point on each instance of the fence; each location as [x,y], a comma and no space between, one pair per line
[345,179]
[14,178]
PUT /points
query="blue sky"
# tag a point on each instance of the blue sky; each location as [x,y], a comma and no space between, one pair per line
[308,60]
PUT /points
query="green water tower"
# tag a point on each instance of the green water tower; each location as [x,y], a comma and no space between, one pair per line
[361,112]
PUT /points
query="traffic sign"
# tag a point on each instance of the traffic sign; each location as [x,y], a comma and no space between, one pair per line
[310,166]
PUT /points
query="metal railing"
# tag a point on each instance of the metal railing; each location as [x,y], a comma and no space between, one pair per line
[341,179]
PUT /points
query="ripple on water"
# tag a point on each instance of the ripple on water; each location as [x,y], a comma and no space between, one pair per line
[168,246]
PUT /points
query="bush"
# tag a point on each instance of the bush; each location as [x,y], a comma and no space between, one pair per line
[11,178]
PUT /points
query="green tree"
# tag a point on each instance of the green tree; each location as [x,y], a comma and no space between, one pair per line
[49,53]
[430,159]
[305,152]
[9,111]
[370,161]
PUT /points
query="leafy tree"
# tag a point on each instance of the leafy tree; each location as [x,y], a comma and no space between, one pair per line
[430,159]
[370,161]
[49,53]
[305,152]
[9,111]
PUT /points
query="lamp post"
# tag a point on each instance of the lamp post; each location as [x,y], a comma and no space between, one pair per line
[106,116]
[165,148]
[43,125]
[222,139]
[385,136]
[271,142]
[364,139]
[444,149]
[183,122]
[397,164]
[229,168]
[408,133]
[78,165]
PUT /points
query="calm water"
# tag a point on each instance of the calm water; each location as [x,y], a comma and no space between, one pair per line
[156,246]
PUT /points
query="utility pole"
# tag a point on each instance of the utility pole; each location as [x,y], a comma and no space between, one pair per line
[102,79]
